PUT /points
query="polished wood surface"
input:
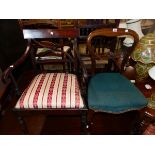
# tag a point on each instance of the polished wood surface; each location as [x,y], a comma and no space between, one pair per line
[50,33]
[147,114]
[148,119]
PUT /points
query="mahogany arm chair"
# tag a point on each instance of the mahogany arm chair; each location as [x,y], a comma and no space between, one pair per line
[111,92]
[48,93]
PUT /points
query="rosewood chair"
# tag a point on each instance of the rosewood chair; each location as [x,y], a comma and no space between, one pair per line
[111,92]
[48,93]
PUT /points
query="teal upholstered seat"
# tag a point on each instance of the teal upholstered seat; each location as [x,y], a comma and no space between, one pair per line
[114,93]
[109,91]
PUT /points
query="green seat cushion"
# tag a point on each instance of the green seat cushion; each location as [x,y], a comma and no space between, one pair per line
[114,93]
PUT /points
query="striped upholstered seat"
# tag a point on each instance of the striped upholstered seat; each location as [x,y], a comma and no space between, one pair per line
[51,90]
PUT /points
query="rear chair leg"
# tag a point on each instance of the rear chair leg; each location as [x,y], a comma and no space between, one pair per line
[91,114]
[83,122]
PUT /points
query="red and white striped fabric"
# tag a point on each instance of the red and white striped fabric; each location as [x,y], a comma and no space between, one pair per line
[51,90]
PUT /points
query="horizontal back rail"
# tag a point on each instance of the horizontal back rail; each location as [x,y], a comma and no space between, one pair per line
[50,33]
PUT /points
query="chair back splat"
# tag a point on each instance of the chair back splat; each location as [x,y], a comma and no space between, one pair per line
[99,43]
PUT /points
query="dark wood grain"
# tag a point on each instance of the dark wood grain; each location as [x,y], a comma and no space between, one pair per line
[50,33]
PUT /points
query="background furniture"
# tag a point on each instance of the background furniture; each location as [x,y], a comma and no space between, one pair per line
[98,43]
[147,114]
[85,26]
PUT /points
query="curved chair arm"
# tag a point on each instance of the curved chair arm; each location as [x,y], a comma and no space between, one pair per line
[8,71]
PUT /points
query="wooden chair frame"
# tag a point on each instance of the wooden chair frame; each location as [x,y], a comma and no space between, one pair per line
[44,33]
[118,61]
